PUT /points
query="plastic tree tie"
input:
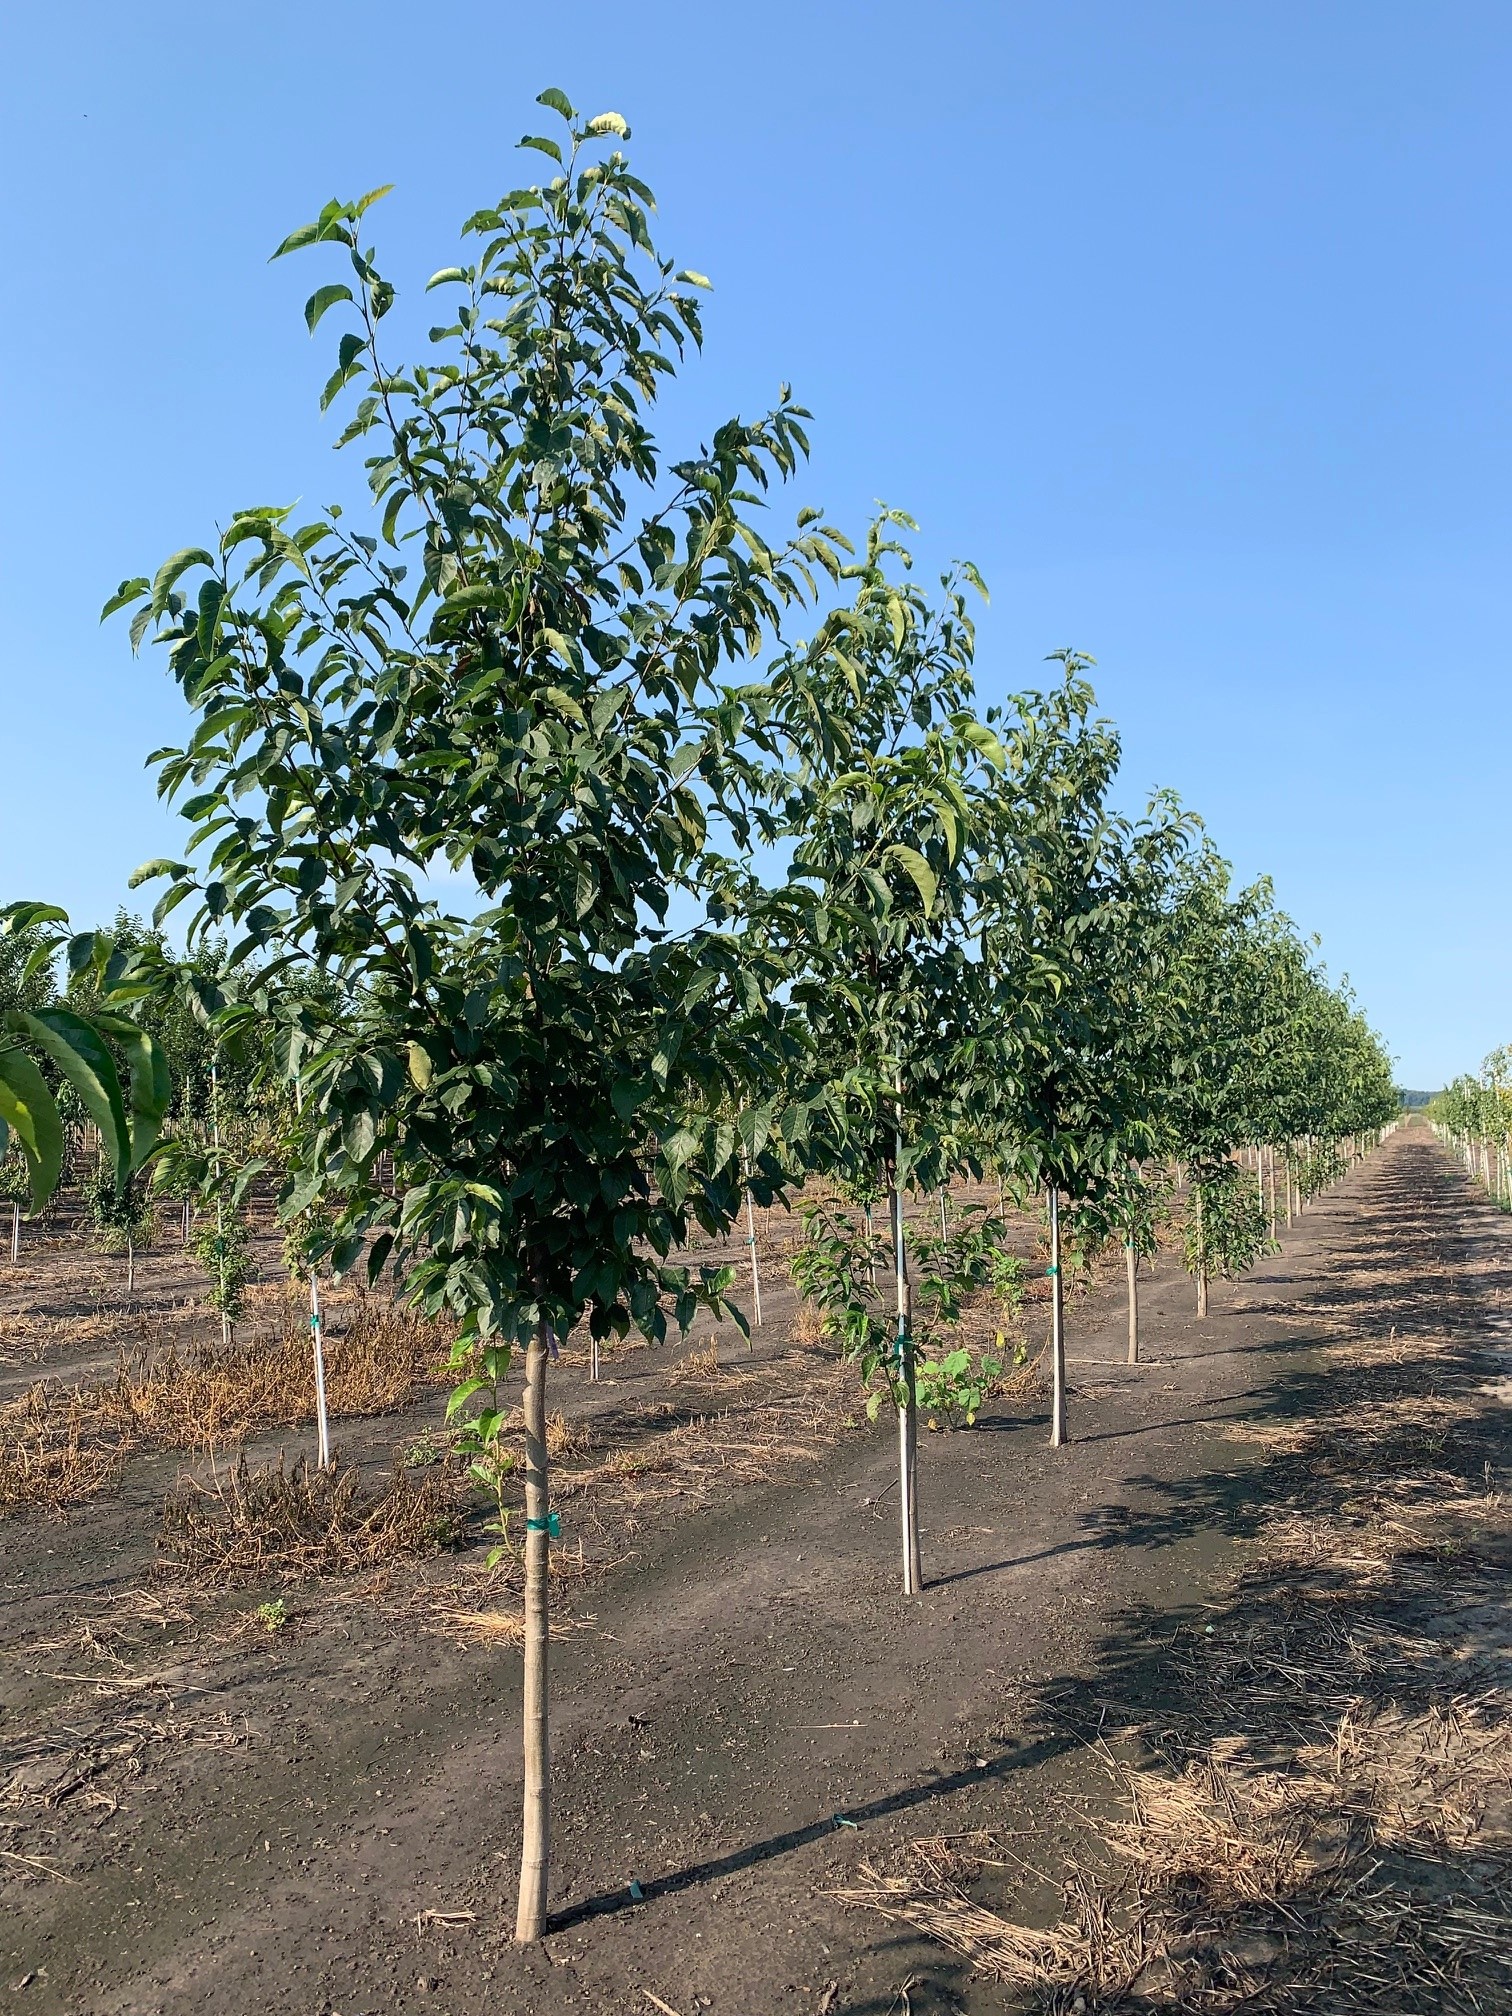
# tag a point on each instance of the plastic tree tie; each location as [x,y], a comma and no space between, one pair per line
[1051,1270]
[551,1524]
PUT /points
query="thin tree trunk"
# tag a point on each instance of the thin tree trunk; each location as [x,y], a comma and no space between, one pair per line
[1131,1261]
[1057,1329]
[535,1853]
[15,1233]
[755,1263]
[317,1345]
[220,1208]
[944,1228]
[908,1409]
[1202,1270]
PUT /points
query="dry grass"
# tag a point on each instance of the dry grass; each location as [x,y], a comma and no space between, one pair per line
[808,1326]
[211,1398]
[497,1627]
[256,1523]
[62,1445]
[702,1364]
[1324,1822]
[56,1449]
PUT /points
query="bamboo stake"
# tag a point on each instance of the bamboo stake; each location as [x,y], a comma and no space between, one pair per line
[535,1852]
[1057,1329]
[15,1233]
[1131,1260]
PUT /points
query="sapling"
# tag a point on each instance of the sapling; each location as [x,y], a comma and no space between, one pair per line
[1073,899]
[517,683]
[122,1215]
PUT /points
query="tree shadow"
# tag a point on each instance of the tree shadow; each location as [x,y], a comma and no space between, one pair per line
[1441,1640]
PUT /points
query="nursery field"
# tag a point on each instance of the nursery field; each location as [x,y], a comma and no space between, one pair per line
[1199,1711]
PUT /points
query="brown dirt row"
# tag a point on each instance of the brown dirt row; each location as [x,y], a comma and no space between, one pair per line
[210,1815]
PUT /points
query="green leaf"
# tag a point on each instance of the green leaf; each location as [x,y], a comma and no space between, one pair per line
[542,146]
[446,275]
[27,1110]
[702,280]
[320,300]
[128,592]
[558,101]
[85,1061]
[151,1087]
[175,565]
[151,870]
[919,872]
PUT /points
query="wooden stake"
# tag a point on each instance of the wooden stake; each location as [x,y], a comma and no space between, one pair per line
[535,1852]
[1131,1261]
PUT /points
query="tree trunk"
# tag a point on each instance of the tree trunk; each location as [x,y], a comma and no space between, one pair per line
[944,1228]
[1057,1330]
[1202,1270]
[1131,1261]
[535,1853]
[908,1406]
[755,1263]
[317,1345]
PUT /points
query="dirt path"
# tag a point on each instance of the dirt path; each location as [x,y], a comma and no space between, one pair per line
[751,1710]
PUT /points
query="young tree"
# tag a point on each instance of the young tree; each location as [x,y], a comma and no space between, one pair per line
[886,755]
[1073,960]
[517,676]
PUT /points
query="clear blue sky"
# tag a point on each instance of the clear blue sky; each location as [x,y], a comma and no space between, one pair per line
[1189,323]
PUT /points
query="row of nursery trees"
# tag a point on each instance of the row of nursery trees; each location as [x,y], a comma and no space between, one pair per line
[598,858]
[1474,1115]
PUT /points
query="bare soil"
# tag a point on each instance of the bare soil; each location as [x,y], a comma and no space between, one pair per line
[198,1813]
